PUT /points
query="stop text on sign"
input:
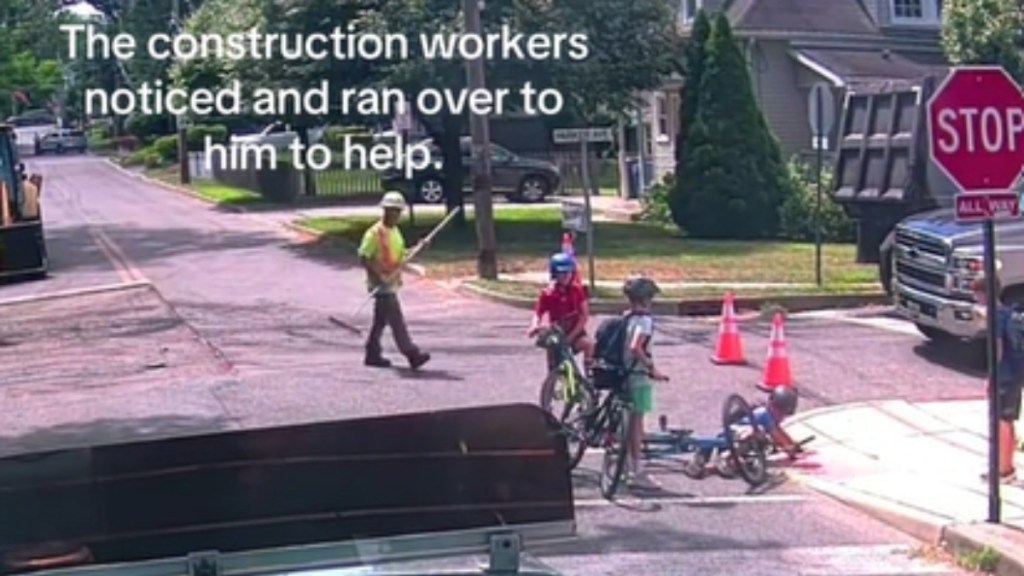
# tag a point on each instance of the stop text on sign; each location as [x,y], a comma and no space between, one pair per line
[987,129]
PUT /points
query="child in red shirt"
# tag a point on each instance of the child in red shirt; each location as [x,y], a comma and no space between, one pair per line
[564,303]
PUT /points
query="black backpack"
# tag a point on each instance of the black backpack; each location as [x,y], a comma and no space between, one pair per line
[610,370]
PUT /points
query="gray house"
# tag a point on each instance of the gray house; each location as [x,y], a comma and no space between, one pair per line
[791,44]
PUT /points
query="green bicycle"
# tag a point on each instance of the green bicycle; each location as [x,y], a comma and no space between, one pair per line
[566,392]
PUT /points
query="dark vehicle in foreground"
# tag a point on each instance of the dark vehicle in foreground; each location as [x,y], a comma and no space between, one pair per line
[452,492]
[22,242]
[518,178]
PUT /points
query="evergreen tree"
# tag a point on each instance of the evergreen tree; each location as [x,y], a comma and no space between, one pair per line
[736,177]
[693,70]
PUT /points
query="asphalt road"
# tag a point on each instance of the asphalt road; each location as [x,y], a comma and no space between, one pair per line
[258,300]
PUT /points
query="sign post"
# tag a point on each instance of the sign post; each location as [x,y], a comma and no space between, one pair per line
[584,136]
[976,136]
[821,108]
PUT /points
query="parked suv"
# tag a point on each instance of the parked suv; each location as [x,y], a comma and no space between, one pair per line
[60,141]
[519,179]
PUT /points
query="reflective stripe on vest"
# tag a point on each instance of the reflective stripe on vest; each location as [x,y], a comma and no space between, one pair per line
[387,255]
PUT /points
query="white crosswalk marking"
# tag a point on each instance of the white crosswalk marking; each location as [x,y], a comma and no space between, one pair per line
[875,560]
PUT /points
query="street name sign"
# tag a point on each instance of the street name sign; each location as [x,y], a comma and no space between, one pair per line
[976,128]
[577,135]
[981,206]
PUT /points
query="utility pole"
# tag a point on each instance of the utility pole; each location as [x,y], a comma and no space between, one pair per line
[480,134]
[184,174]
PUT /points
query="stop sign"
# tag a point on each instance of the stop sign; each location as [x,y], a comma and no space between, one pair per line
[976,128]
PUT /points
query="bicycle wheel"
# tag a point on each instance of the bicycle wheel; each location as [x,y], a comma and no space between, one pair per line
[578,419]
[616,449]
[747,446]
[560,386]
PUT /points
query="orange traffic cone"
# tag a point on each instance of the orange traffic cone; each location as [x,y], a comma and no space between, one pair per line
[567,244]
[776,367]
[729,349]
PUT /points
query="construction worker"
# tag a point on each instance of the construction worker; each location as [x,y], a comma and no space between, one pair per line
[382,252]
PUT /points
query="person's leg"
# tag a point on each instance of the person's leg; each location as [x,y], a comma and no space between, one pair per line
[374,356]
[400,332]
[1010,404]
[643,403]
[585,345]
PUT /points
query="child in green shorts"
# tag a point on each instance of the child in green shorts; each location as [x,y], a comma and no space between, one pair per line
[640,291]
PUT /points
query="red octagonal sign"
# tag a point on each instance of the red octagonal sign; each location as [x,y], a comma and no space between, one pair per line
[976,128]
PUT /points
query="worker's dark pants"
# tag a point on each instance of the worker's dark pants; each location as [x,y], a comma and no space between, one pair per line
[387,312]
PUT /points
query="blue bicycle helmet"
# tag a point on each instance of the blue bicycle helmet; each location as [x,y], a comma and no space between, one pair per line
[560,263]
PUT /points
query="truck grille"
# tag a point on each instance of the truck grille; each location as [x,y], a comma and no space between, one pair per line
[928,277]
[924,244]
[921,262]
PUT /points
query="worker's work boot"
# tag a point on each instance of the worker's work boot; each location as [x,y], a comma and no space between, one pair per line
[376,361]
[416,361]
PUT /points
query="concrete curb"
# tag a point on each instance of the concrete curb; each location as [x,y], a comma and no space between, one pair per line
[173,188]
[102,289]
[956,538]
[919,524]
[701,307]
[972,537]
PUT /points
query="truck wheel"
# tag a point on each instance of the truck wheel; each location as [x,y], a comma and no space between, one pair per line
[935,335]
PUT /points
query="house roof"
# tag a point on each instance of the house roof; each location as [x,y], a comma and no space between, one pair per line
[845,17]
[852,67]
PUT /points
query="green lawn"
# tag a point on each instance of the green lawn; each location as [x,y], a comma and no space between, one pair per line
[224,194]
[526,237]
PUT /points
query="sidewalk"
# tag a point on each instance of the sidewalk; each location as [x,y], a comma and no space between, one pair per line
[917,467]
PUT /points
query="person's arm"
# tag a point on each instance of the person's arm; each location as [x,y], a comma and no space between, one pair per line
[539,311]
[784,441]
[368,252]
[641,335]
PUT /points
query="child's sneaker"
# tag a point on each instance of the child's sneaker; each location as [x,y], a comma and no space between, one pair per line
[642,480]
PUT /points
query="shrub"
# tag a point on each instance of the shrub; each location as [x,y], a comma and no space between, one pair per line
[732,178]
[796,215]
[196,135]
[655,205]
[334,136]
[151,158]
[137,158]
[147,128]
[166,147]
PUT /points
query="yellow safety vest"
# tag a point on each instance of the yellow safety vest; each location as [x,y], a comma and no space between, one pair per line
[386,246]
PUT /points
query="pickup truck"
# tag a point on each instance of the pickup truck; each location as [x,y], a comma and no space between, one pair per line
[932,262]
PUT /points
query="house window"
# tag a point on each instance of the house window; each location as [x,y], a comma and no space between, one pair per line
[916,11]
[688,10]
[661,109]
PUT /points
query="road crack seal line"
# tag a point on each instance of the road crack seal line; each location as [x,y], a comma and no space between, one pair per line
[226,364]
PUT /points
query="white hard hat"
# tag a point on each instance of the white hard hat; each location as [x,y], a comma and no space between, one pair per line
[393,200]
